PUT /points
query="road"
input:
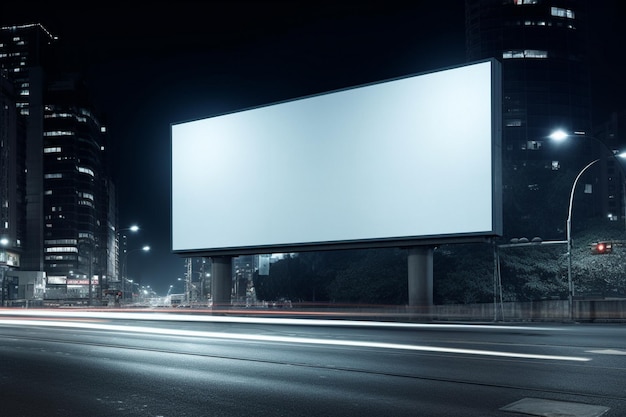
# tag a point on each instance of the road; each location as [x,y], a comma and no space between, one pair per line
[100,363]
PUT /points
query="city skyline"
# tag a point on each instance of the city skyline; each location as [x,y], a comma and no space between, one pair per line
[188,61]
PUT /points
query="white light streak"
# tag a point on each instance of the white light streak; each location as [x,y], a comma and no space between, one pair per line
[286,339]
[259,320]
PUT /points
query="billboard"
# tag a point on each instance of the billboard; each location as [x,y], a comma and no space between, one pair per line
[400,162]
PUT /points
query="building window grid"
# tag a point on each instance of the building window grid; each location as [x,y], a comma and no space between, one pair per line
[560,12]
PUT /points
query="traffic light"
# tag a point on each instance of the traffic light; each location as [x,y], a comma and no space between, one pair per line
[601,248]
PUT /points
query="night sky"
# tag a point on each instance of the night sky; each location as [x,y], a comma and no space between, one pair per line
[175,61]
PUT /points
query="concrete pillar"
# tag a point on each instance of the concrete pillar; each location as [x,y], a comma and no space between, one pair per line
[420,266]
[222,278]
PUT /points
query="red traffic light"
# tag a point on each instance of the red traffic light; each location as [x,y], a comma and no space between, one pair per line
[601,248]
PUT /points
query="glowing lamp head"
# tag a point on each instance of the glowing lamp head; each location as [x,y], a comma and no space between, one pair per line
[558,135]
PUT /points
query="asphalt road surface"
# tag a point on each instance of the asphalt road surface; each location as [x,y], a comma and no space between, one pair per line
[94,363]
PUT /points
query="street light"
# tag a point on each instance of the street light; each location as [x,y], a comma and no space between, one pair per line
[4,242]
[132,228]
[560,135]
[145,248]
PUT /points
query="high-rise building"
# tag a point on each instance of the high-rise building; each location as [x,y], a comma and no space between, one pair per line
[69,223]
[75,193]
[12,184]
[612,201]
[24,52]
[544,48]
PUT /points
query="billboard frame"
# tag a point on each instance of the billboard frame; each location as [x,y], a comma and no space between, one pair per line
[406,241]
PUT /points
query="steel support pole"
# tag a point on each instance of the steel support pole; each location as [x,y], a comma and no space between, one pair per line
[222,280]
[420,276]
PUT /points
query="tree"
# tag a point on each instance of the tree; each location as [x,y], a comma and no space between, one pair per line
[594,274]
[533,272]
[463,273]
[375,276]
[357,276]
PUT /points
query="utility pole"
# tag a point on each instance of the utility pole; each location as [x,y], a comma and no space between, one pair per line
[188,276]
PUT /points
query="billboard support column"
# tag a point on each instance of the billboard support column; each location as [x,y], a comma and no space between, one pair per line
[420,267]
[222,278]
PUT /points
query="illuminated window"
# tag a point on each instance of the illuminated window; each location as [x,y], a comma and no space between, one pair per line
[60,242]
[533,145]
[85,170]
[556,165]
[559,12]
[52,150]
[513,123]
[512,54]
[521,2]
[526,53]
[535,53]
[58,133]
[53,176]
[62,249]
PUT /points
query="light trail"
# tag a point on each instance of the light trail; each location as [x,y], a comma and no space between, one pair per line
[285,339]
[259,320]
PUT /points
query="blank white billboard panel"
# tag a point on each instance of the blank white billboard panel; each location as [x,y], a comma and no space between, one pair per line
[400,160]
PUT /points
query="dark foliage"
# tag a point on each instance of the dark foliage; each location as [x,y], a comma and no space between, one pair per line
[356,276]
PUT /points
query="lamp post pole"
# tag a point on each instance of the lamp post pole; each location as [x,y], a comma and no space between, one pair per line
[145,248]
[134,229]
[558,136]
[570,283]
[4,242]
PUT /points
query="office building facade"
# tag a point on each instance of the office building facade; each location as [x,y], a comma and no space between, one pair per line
[65,204]
[544,48]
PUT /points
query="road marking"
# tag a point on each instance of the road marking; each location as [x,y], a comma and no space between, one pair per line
[288,339]
[550,408]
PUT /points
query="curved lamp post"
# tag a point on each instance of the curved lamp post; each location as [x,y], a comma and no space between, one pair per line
[560,135]
[145,248]
[134,229]
[4,242]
